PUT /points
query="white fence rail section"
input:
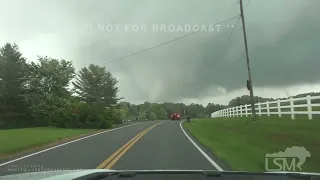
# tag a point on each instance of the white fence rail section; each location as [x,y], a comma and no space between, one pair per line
[292,106]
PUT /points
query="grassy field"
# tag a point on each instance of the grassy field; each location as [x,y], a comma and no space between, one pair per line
[15,140]
[243,144]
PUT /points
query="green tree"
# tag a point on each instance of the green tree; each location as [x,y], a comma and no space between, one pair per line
[162,114]
[171,108]
[13,87]
[133,110]
[124,109]
[119,116]
[48,94]
[152,116]
[123,113]
[211,107]
[51,76]
[245,99]
[193,110]
[143,116]
[97,85]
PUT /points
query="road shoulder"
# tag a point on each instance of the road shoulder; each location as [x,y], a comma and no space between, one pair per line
[207,150]
[51,145]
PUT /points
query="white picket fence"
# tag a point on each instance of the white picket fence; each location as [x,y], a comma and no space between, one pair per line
[279,107]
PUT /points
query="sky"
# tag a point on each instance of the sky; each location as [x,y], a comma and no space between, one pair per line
[283,42]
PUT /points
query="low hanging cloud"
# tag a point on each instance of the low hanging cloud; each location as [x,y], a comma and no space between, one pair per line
[282,37]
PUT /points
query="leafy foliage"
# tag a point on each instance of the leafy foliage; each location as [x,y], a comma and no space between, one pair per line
[245,99]
[154,111]
[13,86]
[37,94]
[96,85]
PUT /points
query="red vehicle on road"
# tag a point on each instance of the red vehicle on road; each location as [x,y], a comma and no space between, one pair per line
[175,116]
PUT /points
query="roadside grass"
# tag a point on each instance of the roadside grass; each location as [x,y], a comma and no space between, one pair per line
[26,140]
[243,144]
[15,140]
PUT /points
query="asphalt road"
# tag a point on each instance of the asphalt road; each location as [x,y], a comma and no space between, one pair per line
[144,146]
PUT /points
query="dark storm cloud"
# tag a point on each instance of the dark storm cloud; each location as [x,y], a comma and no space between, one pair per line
[286,54]
[282,35]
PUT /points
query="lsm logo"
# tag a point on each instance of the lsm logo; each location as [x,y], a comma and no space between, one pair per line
[289,160]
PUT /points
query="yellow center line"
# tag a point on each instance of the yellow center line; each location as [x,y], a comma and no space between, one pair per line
[104,163]
[116,155]
[127,148]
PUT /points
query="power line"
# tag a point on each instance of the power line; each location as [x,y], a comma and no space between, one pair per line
[232,31]
[236,24]
[167,42]
[247,5]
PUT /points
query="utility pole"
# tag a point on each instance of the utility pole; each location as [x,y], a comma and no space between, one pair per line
[253,109]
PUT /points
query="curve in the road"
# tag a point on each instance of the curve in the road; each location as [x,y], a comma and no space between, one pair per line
[168,146]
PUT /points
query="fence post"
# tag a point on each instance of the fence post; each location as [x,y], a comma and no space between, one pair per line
[246,108]
[259,108]
[237,111]
[227,115]
[292,108]
[241,110]
[268,110]
[227,112]
[279,109]
[233,112]
[309,107]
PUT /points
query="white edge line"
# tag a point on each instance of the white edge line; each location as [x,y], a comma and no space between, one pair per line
[201,151]
[29,155]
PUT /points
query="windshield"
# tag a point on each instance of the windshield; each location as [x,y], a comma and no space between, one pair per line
[224,85]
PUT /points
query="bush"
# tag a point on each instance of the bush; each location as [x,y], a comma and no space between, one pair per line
[70,113]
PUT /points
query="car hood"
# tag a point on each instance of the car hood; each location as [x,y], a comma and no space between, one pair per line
[72,174]
[52,175]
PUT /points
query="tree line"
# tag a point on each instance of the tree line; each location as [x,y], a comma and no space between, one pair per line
[156,111]
[50,92]
[245,99]
[39,94]
[162,111]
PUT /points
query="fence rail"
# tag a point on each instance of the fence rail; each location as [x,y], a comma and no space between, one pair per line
[293,106]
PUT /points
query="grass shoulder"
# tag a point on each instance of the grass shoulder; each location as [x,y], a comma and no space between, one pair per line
[26,140]
[243,144]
